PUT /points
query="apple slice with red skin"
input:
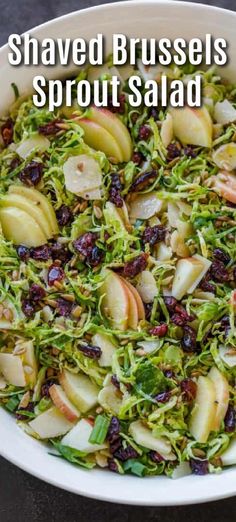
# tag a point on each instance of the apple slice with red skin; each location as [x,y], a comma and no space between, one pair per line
[115,301]
[61,401]
[222,396]
[133,309]
[204,410]
[224,184]
[192,126]
[51,423]
[99,138]
[139,303]
[115,127]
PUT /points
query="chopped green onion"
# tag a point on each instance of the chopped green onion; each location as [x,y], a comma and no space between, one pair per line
[13,402]
[100,430]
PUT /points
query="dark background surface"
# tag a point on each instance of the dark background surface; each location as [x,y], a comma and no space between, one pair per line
[22,497]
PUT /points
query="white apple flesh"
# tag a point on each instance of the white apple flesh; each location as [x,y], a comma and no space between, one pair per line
[11,367]
[222,396]
[78,438]
[108,349]
[81,391]
[192,126]
[115,301]
[61,401]
[187,272]
[204,410]
[51,423]
[144,436]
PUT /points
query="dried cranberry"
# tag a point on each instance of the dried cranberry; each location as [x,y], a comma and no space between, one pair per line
[124,454]
[115,382]
[46,387]
[169,374]
[29,408]
[28,308]
[115,191]
[40,253]
[96,256]
[163,397]
[112,465]
[144,132]
[135,266]
[153,235]
[93,352]
[225,321]
[31,174]
[181,317]
[144,180]
[137,158]
[64,307]
[190,152]
[199,467]
[50,128]
[189,339]
[84,244]
[170,303]
[55,274]
[173,151]
[153,113]
[15,162]
[36,292]
[115,445]
[60,252]
[7,130]
[160,330]
[188,389]
[219,254]
[156,457]
[219,272]
[121,108]
[113,430]
[64,215]
[148,310]
[23,252]
[205,285]
[230,419]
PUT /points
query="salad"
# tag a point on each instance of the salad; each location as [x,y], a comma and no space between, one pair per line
[117,279]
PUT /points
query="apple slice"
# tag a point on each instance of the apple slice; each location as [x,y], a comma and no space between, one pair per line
[222,396]
[30,364]
[113,217]
[166,132]
[36,142]
[17,201]
[133,309]
[51,423]
[78,438]
[225,156]
[225,185]
[192,126]
[144,206]
[187,271]
[228,355]
[204,410]
[182,470]
[3,382]
[11,367]
[228,458]
[115,127]
[163,252]
[115,302]
[104,342]
[205,267]
[21,228]
[62,402]
[146,286]
[224,112]
[81,391]
[99,138]
[139,302]
[82,174]
[144,436]
[110,399]
[41,201]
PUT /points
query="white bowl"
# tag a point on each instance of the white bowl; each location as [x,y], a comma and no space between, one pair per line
[137,19]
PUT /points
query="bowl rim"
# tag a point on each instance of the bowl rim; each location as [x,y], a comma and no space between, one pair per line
[28,466]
